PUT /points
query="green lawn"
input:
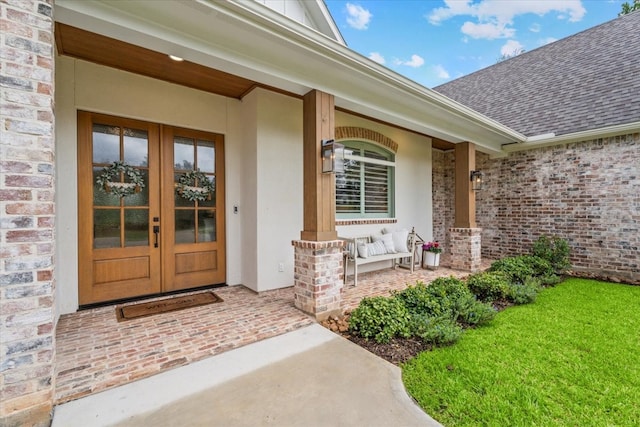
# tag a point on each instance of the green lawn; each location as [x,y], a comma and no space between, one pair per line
[570,359]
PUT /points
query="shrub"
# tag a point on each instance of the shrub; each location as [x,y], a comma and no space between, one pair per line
[540,266]
[526,292]
[489,285]
[477,313]
[517,268]
[553,249]
[550,280]
[452,294]
[447,286]
[431,312]
[418,298]
[380,318]
[436,330]
[439,298]
[445,297]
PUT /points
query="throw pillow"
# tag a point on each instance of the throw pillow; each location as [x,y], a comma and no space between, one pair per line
[387,239]
[352,250]
[376,248]
[363,250]
[400,240]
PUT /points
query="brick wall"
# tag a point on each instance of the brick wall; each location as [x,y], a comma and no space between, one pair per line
[27,221]
[318,277]
[443,172]
[586,192]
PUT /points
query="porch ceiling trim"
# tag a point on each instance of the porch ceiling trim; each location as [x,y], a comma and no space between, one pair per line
[247,39]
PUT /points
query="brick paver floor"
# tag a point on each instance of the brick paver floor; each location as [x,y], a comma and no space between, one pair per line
[96,352]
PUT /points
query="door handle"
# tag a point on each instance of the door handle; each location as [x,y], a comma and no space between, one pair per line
[156,231]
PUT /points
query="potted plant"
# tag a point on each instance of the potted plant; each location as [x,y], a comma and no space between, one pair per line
[431,255]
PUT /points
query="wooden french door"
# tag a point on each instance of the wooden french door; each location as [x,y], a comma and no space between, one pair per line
[150,208]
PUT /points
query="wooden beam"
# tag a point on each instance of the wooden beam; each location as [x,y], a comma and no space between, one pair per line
[465,197]
[319,188]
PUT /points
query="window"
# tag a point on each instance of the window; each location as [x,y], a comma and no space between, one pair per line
[365,188]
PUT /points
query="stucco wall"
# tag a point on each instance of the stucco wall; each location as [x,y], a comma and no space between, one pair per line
[586,192]
[87,86]
[413,198]
[279,184]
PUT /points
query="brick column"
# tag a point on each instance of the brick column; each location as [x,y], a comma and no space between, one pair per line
[318,277]
[464,248]
[27,217]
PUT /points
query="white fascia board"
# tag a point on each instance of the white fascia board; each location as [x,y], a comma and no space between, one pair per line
[587,135]
[321,15]
[250,40]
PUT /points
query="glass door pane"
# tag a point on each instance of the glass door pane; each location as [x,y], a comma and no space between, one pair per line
[195,194]
[121,179]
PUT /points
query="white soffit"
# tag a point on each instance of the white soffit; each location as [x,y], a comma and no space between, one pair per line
[252,41]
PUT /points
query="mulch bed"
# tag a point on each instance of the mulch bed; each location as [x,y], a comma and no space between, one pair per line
[396,351]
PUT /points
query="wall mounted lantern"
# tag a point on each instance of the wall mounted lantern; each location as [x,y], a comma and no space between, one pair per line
[476,180]
[332,154]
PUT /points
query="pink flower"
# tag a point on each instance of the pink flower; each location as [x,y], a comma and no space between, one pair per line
[432,247]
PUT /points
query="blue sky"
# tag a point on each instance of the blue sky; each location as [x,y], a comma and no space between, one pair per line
[435,41]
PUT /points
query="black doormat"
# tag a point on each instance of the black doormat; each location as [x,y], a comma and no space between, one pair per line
[178,302]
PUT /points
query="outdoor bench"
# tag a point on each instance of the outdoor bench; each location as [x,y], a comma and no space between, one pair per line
[388,246]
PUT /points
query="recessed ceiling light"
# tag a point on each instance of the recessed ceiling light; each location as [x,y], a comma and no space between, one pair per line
[176,58]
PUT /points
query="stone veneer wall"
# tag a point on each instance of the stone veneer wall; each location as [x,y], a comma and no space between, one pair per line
[586,192]
[27,217]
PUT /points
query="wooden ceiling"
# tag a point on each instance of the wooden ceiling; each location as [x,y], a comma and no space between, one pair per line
[92,47]
[114,53]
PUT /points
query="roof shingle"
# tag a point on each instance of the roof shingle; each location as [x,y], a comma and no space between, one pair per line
[586,81]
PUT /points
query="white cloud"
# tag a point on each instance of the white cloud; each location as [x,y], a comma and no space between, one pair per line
[487,31]
[441,73]
[511,48]
[494,18]
[375,56]
[534,28]
[416,61]
[359,17]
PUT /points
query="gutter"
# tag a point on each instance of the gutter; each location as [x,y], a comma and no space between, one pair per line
[550,139]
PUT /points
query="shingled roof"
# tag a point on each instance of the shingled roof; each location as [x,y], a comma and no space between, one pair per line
[584,82]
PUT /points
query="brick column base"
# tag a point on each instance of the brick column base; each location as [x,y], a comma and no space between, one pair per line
[464,248]
[318,277]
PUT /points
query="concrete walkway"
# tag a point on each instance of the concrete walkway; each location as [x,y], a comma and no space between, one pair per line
[308,377]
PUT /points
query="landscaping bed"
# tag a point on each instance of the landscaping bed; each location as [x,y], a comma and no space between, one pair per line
[397,350]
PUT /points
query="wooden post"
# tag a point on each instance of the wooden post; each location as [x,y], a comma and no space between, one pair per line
[465,242]
[319,188]
[465,197]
